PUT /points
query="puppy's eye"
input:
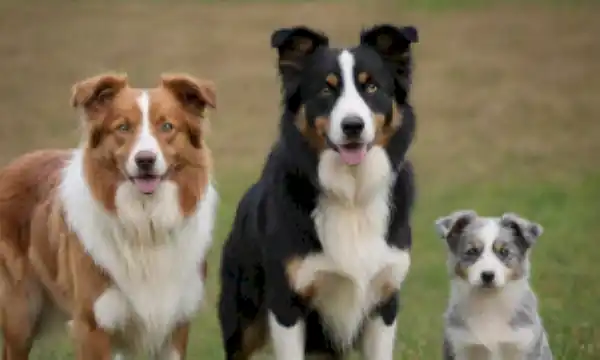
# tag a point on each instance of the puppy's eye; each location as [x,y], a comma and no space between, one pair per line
[371,88]
[326,91]
[503,251]
[125,127]
[166,127]
[472,252]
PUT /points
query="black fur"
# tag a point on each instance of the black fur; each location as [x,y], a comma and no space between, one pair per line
[273,220]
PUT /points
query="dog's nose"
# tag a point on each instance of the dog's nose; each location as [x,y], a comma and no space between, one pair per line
[487,277]
[145,160]
[352,126]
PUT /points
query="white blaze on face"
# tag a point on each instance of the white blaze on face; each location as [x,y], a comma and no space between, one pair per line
[146,142]
[350,104]
[488,261]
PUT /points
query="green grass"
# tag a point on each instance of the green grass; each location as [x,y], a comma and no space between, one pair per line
[565,265]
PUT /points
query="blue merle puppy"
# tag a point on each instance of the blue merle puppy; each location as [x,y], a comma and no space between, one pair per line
[492,310]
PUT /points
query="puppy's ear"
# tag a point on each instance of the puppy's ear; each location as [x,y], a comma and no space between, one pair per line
[95,93]
[393,44]
[194,94]
[294,45]
[450,227]
[525,230]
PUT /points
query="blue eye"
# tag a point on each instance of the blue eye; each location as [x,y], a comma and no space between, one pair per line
[124,127]
[166,127]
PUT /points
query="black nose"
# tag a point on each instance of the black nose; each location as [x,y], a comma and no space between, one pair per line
[487,277]
[145,160]
[352,126]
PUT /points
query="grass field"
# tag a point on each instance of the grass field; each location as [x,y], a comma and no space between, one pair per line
[506,98]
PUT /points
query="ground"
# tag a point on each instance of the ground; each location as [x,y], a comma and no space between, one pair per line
[507,105]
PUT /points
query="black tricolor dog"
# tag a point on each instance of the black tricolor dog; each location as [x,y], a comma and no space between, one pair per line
[320,244]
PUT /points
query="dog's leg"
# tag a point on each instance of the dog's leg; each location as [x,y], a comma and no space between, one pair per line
[378,339]
[288,342]
[91,341]
[475,352]
[177,347]
[447,352]
[21,310]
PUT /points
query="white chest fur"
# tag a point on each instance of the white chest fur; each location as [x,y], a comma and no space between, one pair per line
[151,252]
[487,333]
[351,221]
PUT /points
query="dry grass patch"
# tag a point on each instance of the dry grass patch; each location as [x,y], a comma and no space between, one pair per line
[503,96]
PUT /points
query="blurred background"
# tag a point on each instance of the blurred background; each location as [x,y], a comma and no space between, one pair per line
[506,93]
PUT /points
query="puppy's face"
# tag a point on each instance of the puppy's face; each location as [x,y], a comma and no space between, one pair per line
[347,99]
[488,252]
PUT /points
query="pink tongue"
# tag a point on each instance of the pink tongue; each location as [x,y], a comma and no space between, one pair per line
[353,156]
[147,185]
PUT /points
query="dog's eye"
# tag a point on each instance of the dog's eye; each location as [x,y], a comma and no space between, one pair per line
[472,252]
[503,251]
[371,88]
[166,127]
[124,127]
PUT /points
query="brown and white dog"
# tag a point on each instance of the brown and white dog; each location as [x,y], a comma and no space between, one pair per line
[113,233]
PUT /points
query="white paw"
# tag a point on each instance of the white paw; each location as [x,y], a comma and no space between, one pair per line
[304,277]
[111,310]
[400,266]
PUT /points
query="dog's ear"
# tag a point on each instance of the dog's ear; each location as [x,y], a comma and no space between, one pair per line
[294,45]
[195,94]
[525,231]
[450,227]
[393,43]
[95,93]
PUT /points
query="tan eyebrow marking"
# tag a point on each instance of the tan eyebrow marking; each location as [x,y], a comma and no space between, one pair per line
[363,77]
[332,80]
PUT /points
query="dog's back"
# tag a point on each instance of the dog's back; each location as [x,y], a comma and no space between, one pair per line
[25,183]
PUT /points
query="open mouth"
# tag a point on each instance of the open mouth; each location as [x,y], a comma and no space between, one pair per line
[147,183]
[353,153]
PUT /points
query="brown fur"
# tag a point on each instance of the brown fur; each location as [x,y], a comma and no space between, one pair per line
[183,147]
[385,131]
[254,338]
[332,80]
[42,263]
[315,135]
[363,77]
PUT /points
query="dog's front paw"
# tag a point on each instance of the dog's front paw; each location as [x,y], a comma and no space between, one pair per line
[304,273]
[111,310]
[299,276]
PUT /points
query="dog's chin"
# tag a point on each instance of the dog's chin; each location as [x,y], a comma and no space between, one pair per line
[487,288]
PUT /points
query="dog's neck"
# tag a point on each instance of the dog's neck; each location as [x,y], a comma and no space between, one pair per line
[356,185]
[473,299]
